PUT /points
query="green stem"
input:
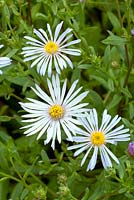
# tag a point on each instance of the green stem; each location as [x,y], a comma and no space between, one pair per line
[10,177]
[18,173]
[129,67]
[16,97]
[39,181]
[119,13]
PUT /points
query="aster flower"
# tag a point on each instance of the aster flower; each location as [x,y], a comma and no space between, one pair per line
[49,50]
[96,138]
[4,61]
[60,109]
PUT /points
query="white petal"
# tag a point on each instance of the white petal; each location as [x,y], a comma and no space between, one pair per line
[51,90]
[73,52]
[57,30]
[71,43]
[105,158]
[58,132]
[114,121]
[67,38]
[69,62]
[50,67]
[54,135]
[68,30]
[93,160]
[50,32]
[40,35]
[78,99]
[112,155]
[63,91]
[42,95]
[67,131]
[86,155]
[33,40]
[44,33]
[1,46]
[76,146]
[56,64]
[49,134]
[72,96]
[71,90]
[41,58]
[44,66]
[79,151]
[43,130]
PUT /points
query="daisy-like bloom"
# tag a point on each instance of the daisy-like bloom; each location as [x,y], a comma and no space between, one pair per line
[60,109]
[50,50]
[4,61]
[96,138]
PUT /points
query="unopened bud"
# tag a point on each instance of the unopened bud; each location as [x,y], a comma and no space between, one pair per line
[131,148]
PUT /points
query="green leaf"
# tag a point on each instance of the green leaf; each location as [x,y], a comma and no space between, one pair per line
[131,110]
[111,85]
[115,40]
[86,196]
[24,194]
[126,92]
[114,21]
[84,66]
[127,123]
[4,189]
[45,157]
[5,118]
[96,100]
[107,55]
[115,101]
[17,191]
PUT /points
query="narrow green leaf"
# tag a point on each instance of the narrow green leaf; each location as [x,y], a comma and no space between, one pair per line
[5,118]
[114,21]
[115,40]
[115,101]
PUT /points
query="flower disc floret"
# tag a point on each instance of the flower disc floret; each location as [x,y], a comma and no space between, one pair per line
[56,112]
[97,138]
[51,47]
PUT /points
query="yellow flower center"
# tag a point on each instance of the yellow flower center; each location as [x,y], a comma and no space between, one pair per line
[97,138]
[56,112]
[51,47]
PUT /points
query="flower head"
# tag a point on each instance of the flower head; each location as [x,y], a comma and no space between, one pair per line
[96,138]
[50,50]
[131,149]
[60,109]
[4,61]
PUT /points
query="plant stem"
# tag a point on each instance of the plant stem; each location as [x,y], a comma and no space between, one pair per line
[129,67]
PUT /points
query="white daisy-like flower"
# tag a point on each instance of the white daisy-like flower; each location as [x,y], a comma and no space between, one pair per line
[4,61]
[96,138]
[61,109]
[50,50]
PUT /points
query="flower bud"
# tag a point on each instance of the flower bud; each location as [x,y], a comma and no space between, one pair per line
[131,149]
[132,32]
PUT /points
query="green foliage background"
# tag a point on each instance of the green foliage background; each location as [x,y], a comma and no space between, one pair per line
[28,169]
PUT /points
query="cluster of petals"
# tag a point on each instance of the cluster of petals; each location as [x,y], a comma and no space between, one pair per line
[62,110]
[4,61]
[50,51]
[41,120]
[106,133]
